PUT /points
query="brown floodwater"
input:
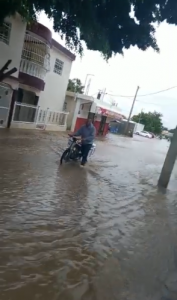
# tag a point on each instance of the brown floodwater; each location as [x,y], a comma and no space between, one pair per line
[103,232]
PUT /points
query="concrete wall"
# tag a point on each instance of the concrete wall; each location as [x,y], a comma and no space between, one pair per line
[139,127]
[70,107]
[53,95]
[14,49]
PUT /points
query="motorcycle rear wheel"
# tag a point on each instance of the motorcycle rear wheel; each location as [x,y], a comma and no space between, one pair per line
[65,156]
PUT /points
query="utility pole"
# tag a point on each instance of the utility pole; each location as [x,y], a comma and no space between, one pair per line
[169,162]
[88,86]
[85,88]
[128,121]
[99,95]
[103,94]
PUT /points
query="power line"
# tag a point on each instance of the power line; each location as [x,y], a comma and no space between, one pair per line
[155,103]
[158,92]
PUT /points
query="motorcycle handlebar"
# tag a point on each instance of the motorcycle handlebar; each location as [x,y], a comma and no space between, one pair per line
[74,137]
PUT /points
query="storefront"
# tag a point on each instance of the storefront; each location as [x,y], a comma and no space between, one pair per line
[100,112]
[103,117]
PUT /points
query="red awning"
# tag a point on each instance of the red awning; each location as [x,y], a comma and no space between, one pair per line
[108,113]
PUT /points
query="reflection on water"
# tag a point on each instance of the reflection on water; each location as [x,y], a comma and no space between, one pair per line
[104,232]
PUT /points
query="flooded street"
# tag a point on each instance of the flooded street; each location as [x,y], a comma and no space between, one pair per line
[100,233]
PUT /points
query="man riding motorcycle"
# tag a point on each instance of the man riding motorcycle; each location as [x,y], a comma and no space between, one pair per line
[87,133]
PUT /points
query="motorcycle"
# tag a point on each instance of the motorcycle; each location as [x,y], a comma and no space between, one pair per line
[73,151]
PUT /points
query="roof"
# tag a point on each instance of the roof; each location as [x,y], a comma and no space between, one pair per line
[59,47]
[107,106]
[125,120]
[80,96]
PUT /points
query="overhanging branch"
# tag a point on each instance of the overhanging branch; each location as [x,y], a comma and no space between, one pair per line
[8,73]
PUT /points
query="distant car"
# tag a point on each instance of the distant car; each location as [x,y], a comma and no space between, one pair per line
[144,133]
[152,134]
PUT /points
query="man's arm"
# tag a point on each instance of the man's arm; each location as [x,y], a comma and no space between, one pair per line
[78,132]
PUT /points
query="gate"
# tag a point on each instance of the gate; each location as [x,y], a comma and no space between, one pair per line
[5,100]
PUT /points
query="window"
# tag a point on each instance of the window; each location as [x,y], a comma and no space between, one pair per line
[5,30]
[58,68]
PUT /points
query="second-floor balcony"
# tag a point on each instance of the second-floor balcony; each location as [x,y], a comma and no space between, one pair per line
[35,60]
[33,69]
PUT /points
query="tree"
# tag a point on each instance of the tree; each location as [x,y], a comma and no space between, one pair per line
[151,120]
[75,85]
[164,128]
[105,26]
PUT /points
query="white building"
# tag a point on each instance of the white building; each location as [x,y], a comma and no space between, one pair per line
[35,94]
[81,107]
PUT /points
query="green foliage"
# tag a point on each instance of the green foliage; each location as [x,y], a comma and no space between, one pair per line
[106,26]
[164,128]
[151,120]
[75,85]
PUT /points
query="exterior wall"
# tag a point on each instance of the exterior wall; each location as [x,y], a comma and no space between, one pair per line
[82,114]
[79,122]
[55,128]
[33,126]
[138,127]
[14,49]
[5,100]
[12,82]
[30,89]
[70,107]
[53,95]
[23,125]
[75,115]
[93,107]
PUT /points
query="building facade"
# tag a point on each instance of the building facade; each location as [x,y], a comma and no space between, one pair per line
[81,107]
[35,94]
[78,107]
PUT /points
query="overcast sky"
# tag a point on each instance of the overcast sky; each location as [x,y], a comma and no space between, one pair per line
[122,74]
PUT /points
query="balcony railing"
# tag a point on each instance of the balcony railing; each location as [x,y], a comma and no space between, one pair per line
[32,69]
[35,60]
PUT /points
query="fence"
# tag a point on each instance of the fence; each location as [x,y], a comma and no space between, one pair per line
[29,114]
[57,118]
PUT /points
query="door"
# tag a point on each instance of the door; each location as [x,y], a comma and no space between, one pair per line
[102,125]
[91,116]
[5,100]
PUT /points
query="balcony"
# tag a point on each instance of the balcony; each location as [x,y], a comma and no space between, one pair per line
[35,60]
[33,69]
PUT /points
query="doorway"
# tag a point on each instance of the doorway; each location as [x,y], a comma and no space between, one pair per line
[102,125]
[26,106]
[91,116]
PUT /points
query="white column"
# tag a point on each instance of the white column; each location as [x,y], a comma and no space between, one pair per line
[66,117]
[93,107]
[77,107]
